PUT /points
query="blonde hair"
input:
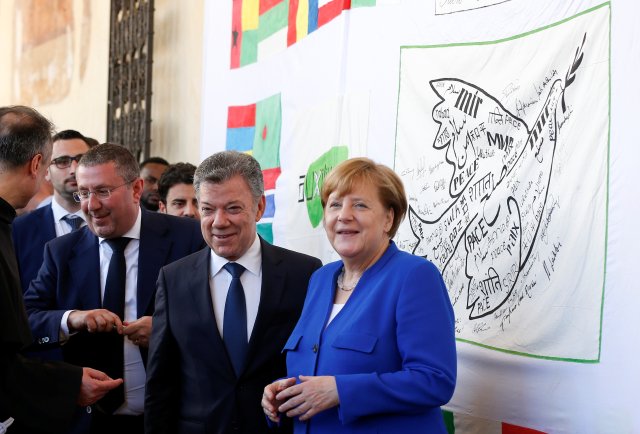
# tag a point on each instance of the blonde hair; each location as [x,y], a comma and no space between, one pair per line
[349,173]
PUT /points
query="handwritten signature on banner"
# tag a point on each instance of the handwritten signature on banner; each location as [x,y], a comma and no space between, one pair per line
[498,191]
[450,6]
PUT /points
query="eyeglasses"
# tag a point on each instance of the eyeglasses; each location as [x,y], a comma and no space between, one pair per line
[101,193]
[65,161]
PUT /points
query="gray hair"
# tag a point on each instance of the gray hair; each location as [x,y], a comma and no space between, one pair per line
[222,166]
[24,133]
[126,165]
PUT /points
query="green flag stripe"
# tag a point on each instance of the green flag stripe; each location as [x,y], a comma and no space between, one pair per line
[448,421]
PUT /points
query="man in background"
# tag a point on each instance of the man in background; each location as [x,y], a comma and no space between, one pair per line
[177,195]
[63,215]
[151,170]
[41,396]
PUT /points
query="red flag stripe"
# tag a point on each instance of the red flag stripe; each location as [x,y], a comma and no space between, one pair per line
[241,116]
[236,33]
[292,30]
[265,5]
[331,10]
[515,429]
[270,177]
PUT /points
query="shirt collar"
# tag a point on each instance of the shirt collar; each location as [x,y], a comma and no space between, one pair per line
[251,260]
[59,212]
[134,232]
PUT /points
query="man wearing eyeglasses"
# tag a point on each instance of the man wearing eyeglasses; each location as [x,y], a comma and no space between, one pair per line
[63,215]
[95,291]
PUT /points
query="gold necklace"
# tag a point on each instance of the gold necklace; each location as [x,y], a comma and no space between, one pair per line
[342,286]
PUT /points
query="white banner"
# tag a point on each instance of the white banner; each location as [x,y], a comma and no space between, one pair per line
[495,161]
[513,128]
[322,137]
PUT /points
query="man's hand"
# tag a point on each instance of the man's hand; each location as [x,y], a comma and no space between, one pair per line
[94,321]
[95,384]
[139,331]
[308,398]
[269,402]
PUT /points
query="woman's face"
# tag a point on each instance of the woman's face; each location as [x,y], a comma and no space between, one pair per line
[357,224]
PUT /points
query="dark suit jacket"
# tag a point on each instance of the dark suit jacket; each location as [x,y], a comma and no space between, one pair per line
[191,384]
[40,396]
[31,232]
[70,278]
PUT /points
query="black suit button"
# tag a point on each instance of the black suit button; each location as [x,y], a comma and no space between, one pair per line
[315,348]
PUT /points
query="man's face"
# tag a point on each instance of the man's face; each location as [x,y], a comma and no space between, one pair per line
[151,173]
[114,216]
[228,216]
[64,180]
[181,201]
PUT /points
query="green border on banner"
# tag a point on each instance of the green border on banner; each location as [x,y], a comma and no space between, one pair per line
[606,229]
[362,3]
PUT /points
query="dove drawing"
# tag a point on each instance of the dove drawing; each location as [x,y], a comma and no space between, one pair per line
[498,189]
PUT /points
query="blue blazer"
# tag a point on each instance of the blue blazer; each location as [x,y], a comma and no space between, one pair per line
[391,349]
[31,232]
[191,385]
[70,278]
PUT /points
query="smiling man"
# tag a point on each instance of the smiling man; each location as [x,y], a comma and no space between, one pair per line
[95,291]
[177,195]
[63,215]
[256,290]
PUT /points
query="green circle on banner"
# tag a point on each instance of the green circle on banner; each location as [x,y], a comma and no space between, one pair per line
[315,178]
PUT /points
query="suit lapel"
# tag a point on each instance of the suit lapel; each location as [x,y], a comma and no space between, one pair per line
[155,246]
[271,293]
[197,284]
[49,229]
[84,270]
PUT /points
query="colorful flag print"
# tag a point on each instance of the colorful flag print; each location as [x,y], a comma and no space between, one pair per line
[261,28]
[255,129]
[458,423]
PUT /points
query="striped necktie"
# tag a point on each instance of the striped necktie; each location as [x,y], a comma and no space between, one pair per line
[73,221]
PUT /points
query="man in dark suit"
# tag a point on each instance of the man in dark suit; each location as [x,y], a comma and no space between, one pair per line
[151,170]
[223,314]
[102,316]
[33,230]
[41,397]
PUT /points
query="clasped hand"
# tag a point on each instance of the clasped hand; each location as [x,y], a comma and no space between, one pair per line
[95,384]
[305,399]
[104,321]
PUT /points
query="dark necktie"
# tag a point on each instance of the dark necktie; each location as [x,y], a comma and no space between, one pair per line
[116,277]
[112,347]
[234,326]
[73,221]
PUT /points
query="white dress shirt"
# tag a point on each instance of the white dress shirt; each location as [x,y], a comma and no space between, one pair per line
[335,310]
[251,280]
[134,371]
[62,227]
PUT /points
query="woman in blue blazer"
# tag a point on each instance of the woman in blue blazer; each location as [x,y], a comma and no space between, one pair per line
[374,348]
